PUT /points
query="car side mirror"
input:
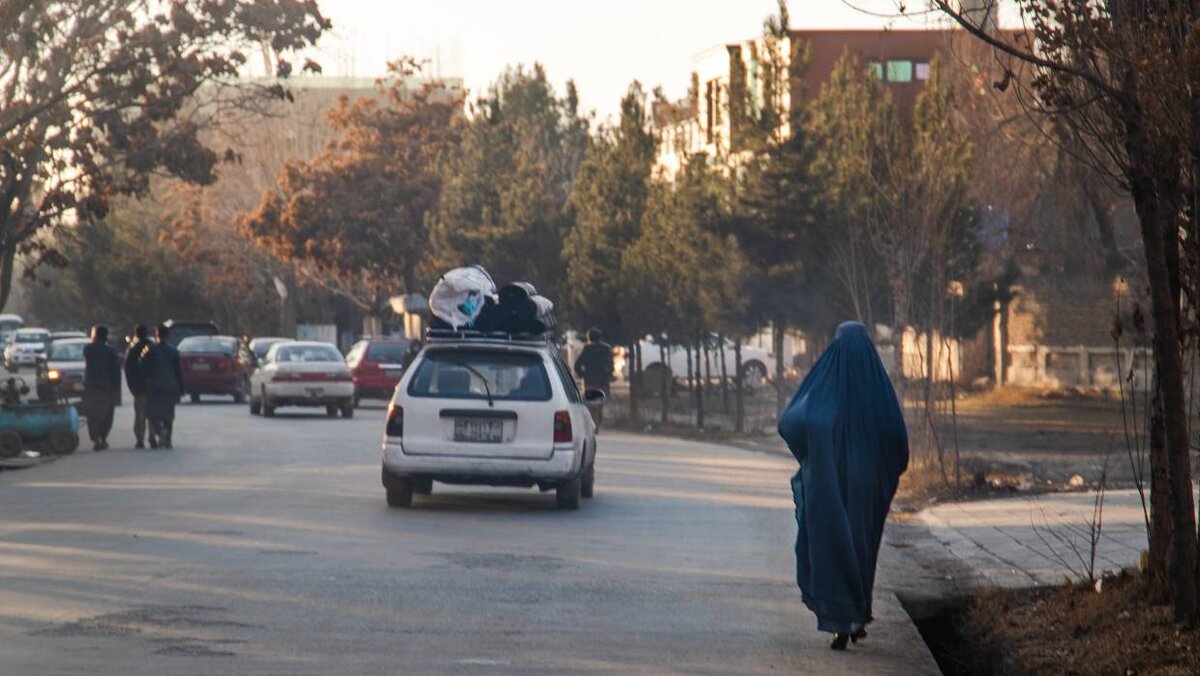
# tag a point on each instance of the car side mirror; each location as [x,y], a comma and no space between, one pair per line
[594,396]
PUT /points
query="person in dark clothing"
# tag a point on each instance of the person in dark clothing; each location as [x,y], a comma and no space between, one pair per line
[595,367]
[101,385]
[135,375]
[846,429]
[164,383]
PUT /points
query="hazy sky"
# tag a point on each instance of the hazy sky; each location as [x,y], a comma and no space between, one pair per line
[602,45]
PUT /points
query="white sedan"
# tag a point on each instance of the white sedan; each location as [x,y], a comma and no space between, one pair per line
[302,374]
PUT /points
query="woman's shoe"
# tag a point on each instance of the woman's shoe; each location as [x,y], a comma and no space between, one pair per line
[839,641]
[858,634]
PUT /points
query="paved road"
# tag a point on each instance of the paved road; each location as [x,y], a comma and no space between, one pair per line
[264,547]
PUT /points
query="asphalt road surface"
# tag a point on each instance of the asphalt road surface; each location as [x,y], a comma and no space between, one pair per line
[263,546]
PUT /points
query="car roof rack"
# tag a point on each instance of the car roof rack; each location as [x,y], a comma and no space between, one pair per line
[470,335]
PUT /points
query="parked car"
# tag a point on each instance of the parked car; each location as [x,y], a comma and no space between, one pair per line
[302,374]
[377,364]
[186,328]
[492,412]
[215,365]
[259,346]
[754,363]
[25,346]
[61,335]
[60,372]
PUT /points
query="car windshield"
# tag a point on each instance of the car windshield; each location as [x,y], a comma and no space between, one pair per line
[461,374]
[31,337]
[388,353]
[307,353]
[67,351]
[206,344]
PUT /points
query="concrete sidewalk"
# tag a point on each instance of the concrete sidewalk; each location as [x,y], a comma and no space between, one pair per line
[1039,540]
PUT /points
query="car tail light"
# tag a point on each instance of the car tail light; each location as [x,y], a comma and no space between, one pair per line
[562,427]
[53,375]
[395,421]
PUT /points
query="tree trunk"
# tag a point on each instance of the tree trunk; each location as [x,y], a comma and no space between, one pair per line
[724,377]
[1157,207]
[708,376]
[664,383]
[739,388]
[631,362]
[777,332]
[699,391]
[691,380]
[1160,510]
[8,263]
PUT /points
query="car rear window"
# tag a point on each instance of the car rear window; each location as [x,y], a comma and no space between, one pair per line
[307,353]
[203,344]
[470,374]
[388,353]
[67,351]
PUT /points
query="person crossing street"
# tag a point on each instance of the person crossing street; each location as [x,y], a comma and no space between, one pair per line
[164,384]
[101,386]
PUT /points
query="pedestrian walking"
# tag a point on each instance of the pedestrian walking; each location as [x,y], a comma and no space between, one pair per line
[135,377]
[101,386]
[164,384]
[595,367]
[846,429]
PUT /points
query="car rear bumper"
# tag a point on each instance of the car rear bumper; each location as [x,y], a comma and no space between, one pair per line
[563,463]
[311,394]
[212,383]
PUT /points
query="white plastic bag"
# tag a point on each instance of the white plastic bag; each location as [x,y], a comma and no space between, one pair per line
[458,296]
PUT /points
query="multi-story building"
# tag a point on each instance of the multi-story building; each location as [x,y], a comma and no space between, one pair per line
[706,120]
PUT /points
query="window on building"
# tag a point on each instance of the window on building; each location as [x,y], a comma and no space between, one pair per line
[899,71]
[921,70]
[876,69]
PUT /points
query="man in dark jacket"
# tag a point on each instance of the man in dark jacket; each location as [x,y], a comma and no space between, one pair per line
[101,386]
[164,383]
[135,375]
[595,367]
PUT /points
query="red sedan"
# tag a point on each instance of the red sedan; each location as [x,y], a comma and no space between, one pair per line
[215,365]
[376,365]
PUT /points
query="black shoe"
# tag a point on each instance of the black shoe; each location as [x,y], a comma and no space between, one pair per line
[858,634]
[168,444]
[839,641]
[97,446]
[153,441]
[139,445]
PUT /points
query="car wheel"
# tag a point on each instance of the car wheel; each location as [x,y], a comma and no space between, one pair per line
[650,383]
[331,411]
[400,493]
[10,444]
[62,442]
[568,493]
[348,411]
[422,485]
[255,406]
[754,374]
[588,488]
[239,396]
[195,398]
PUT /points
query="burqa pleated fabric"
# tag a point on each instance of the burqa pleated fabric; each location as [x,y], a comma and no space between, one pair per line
[846,429]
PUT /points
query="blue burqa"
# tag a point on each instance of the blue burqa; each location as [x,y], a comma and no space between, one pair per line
[846,429]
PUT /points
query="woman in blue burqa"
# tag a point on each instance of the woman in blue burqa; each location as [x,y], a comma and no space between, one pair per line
[846,429]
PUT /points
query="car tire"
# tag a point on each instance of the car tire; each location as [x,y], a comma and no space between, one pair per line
[255,406]
[400,492]
[422,485]
[348,411]
[754,374]
[195,398]
[568,493]
[331,411]
[588,487]
[11,444]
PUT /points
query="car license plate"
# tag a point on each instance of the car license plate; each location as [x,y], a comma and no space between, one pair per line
[201,367]
[485,431]
[315,392]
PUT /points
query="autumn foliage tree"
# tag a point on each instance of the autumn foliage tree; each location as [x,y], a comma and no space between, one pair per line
[1123,80]
[359,211]
[96,96]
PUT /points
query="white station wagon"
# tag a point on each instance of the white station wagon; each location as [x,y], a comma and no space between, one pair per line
[489,411]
